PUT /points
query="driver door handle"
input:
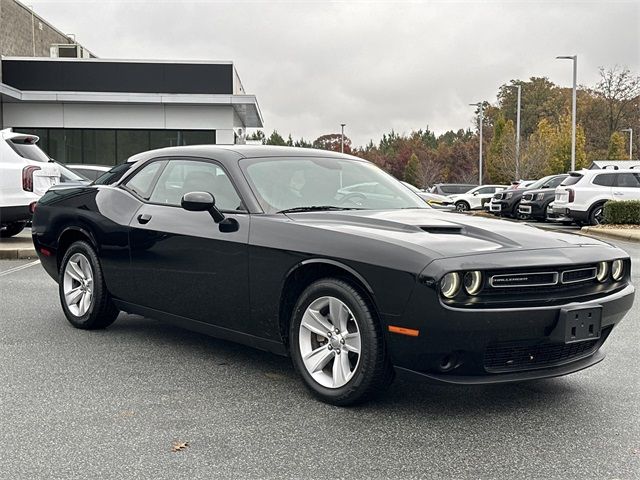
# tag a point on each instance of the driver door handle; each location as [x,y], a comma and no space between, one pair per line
[144,218]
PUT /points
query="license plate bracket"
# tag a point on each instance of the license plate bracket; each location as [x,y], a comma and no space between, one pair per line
[578,324]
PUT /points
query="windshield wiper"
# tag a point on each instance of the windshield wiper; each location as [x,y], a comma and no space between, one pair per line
[316,208]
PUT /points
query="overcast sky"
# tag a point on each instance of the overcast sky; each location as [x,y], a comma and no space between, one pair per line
[374,65]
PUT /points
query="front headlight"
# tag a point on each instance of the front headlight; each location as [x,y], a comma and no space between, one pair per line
[450,284]
[540,196]
[603,270]
[509,195]
[617,269]
[473,282]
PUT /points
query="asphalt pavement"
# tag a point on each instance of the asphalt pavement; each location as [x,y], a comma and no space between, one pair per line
[112,404]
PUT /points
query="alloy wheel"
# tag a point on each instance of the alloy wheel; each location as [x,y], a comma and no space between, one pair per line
[329,340]
[598,215]
[78,285]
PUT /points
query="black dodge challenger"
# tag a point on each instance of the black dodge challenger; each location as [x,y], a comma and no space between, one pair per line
[330,260]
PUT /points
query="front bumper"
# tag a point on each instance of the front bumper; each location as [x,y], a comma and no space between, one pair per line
[501,207]
[458,345]
[533,209]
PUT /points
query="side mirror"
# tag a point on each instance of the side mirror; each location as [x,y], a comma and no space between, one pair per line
[202,202]
[475,194]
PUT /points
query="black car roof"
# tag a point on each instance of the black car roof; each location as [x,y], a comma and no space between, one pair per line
[225,153]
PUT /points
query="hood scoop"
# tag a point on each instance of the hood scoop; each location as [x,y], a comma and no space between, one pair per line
[443,229]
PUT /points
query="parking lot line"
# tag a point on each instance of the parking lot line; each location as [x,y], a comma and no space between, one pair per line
[17,269]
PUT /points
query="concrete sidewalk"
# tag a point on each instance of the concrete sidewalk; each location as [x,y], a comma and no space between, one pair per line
[632,234]
[17,247]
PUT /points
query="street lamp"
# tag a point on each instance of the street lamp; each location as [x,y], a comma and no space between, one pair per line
[630,130]
[479,105]
[519,87]
[573,107]
[342,125]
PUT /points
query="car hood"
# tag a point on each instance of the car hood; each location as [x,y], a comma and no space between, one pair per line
[541,190]
[440,234]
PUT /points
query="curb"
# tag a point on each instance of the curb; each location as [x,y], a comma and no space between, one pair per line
[17,253]
[631,235]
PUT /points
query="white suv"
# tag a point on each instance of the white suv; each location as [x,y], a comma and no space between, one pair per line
[26,172]
[583,194]
[473,199]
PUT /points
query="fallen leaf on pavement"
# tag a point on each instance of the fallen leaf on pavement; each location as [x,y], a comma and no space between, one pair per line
[179,446]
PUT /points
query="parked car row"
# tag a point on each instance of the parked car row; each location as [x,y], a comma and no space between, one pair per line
[576,197]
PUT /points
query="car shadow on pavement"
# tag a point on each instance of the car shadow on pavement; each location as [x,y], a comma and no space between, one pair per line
[416,398]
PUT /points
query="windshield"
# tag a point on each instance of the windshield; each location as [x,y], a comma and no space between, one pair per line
[282,184]
[540,183]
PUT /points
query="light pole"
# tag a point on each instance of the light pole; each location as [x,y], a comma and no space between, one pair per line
[479,105]
[630,130]
[519,87]
[573,107]
[342,125]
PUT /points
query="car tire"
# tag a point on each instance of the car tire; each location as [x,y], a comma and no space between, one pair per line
[12,229]
[462,206]
[596,214]
[83,294]
[327,362]
[516,212]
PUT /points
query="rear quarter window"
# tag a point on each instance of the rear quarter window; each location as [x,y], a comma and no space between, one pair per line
[571,180]
[604,179]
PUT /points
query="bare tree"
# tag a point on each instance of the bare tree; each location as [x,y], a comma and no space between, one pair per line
[619,88]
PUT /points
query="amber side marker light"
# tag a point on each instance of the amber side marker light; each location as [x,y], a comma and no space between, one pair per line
[404,331]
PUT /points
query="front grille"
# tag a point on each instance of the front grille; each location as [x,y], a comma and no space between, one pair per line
[578,275]
[536,279]
[512,356]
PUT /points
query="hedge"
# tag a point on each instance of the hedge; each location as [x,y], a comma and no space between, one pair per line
[624,212]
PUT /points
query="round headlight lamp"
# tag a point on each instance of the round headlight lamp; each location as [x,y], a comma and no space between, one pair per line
[617,269]
[473,282]
[602,271]
[450,284]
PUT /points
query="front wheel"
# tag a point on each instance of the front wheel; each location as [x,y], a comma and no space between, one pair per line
[85,300]
[12,229]
[337,345]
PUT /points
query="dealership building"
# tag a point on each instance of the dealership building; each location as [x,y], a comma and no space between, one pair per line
[99,111]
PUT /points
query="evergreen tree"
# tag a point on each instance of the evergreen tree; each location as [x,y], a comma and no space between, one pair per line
[617,147]
[275,139]
[412,170]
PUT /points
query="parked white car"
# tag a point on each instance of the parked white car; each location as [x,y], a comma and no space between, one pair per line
[26,172]
[583,194]
[473,199]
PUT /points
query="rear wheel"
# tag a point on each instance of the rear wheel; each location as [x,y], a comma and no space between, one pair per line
[12,229]
[596,215]
[85,300]
[462,206]
[337,344]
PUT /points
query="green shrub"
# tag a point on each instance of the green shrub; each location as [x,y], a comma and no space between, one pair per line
[624,212]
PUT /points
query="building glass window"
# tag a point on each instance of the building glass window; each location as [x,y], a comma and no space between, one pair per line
[99,147]
[130,142]
[109,146]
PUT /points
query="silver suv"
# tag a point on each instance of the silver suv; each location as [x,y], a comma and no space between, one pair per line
[583,194]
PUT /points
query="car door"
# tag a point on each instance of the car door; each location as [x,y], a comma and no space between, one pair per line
[627,186]
[484,193]
[182,262]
